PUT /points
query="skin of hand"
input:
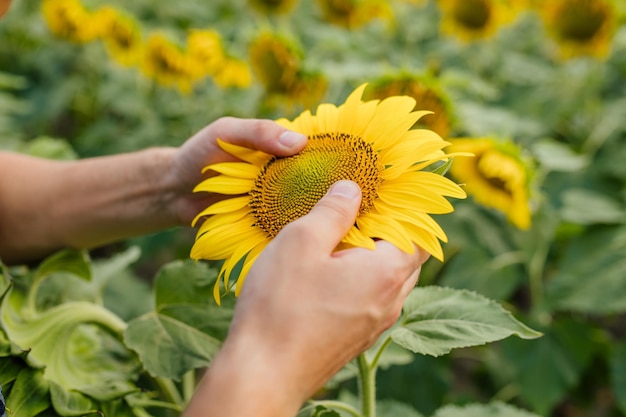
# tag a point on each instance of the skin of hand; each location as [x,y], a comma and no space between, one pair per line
[49,205]
[304,312]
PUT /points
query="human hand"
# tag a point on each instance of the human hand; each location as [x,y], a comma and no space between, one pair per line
[202,149]
[306,310]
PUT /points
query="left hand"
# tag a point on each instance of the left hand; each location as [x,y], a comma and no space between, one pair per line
[202,149]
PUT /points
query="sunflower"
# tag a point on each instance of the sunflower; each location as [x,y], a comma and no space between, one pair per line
[272,6]
[471,20]
[205,48]
[580,27]
[354,13]
[371,143]
[166,63]
[427,93]
[70,20]
[498,176]
[276,61]
[121,35]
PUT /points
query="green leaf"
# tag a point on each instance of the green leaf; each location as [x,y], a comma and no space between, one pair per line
[29,394]
[10,367]
[74,342]
[49,148]
[70,403]
[618,374]
[548,367]
[187,327]
[437,320]
[391,408]
[75,262]
[557,156]
[590,278]
[321,411]
[591,207]
[495,409]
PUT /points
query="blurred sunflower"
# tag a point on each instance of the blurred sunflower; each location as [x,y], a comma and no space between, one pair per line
[497,177]
[471,20]
[427,93]
[580,27]
[354,13]
[275,61]
[272,6]
[205,48]
[70,20]
[371,143]
[167,64]
[233,73]
[121,35]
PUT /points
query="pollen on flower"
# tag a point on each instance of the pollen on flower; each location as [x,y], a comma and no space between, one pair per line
[288,188]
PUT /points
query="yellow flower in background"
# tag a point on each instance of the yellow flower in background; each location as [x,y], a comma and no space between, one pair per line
[275,61]
[233,73]
[427,93]
[121,35]
[496,177]
[354,13]
[272,6]
[580,27]
[205,47]
[371,143]
[471,20]
[166,63]
[70,20]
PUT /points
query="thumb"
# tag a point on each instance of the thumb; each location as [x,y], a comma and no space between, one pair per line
[333,216]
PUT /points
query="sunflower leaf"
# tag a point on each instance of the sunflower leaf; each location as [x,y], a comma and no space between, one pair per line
[437,320]
[495,409]
[177,337]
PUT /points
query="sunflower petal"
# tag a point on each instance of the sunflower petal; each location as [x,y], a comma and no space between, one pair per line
[424,240]
[223,184]
[252,156]
[250,259]
[235,169]
[356,237]
[375,225]
[222,207]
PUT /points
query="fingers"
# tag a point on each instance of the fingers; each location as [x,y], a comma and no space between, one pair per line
[332,217]
[260,134]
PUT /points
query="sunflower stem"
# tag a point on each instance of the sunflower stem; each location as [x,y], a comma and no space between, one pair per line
[367,386]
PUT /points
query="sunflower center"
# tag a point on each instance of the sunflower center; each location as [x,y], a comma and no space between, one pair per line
[580,21]
[288,188]
[501,172]
[472,14]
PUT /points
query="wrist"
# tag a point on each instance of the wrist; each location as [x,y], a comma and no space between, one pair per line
[246,379]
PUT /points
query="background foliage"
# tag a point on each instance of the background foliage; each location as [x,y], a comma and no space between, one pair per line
[564,276]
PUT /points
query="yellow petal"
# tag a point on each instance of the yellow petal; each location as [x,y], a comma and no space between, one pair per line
[433,182]
[409,215]
[235,169]
[424,240]
[426,204]
[223,184]
[223,219]
[250,259]
[375,225]
[357,238]
[222,207]
[327,117]
[252,156]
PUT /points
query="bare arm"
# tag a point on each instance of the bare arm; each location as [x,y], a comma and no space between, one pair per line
[47,205]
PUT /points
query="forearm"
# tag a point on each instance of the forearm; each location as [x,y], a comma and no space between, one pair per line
[47,205]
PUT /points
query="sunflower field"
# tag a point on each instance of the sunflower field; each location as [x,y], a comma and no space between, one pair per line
[521,311]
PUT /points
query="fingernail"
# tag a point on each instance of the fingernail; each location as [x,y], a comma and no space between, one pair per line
[289,139]
[347,189]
